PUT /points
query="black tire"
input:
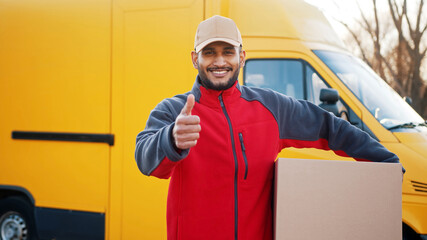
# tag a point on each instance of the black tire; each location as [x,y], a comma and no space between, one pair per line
[408,233]
[16,219]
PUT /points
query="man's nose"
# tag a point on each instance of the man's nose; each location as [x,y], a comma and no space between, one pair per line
[219,60]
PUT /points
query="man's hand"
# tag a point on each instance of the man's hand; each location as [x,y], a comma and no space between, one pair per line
[187,127]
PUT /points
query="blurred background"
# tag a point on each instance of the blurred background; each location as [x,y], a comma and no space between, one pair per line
[389,35]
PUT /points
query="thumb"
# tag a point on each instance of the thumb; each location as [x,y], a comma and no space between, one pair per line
[186,110]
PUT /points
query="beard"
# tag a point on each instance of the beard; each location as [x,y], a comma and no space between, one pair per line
[207,83]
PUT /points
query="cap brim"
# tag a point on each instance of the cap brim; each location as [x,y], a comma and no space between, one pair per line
[211,40]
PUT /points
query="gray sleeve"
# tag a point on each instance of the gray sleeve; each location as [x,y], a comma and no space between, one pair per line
[155,143]
[313,124]
[305,125]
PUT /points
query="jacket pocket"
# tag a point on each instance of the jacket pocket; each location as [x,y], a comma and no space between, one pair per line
[242,144]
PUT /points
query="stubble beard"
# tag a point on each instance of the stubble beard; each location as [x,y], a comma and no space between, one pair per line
[207,83]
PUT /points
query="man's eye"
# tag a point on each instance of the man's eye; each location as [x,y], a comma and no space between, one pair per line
[229,52]
[208,52]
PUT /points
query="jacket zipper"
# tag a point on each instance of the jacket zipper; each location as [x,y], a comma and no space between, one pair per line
[235,165]
[244,155]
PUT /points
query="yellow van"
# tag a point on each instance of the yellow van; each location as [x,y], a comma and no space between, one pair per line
[79,78]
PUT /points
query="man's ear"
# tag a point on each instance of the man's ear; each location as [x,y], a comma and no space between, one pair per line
[194,59]
[242,58]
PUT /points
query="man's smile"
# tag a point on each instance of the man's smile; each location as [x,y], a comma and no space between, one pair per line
[219,72]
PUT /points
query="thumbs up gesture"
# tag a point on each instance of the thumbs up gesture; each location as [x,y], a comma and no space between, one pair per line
[187,126]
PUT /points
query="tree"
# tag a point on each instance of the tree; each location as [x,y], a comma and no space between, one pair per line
[393,43]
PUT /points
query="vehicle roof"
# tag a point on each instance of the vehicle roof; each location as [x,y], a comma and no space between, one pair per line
[292,19]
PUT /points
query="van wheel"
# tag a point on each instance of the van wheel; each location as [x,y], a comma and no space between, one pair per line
[16,219]
[408,233]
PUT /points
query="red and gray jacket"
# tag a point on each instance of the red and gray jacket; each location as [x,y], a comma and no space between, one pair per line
[222,187]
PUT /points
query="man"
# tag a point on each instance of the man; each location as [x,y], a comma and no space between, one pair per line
[219,142]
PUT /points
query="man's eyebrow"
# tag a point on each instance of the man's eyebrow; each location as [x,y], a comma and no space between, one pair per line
[213,49]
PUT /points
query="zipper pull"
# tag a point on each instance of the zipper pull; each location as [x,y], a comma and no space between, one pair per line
[244,155]
[241,142]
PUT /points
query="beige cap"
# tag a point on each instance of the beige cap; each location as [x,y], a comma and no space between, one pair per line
[217,29]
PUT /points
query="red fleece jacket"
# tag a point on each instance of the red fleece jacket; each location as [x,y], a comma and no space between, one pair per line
[223,187]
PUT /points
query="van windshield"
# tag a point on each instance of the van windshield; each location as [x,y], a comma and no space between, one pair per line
[377,96]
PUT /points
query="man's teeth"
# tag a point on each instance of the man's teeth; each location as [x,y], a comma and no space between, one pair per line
[219,72]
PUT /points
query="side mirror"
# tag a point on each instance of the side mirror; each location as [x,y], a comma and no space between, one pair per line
[329,95]
[408,100]
[329,98]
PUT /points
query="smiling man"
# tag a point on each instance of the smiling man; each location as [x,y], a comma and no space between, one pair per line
[218,65]
[218,143]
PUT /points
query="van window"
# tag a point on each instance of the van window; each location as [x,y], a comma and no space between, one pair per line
[375,94]
[314,85]
[292,77]
[295,78]
[282,75]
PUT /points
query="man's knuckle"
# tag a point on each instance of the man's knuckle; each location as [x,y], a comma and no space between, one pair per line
[179,119]
[196,129]
[181,138]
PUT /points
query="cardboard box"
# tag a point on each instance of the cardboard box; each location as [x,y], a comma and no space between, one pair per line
[336,200]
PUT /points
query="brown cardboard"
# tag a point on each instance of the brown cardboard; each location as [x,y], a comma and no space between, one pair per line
[336,200]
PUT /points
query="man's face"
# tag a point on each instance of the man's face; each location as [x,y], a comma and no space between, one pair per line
[219,64]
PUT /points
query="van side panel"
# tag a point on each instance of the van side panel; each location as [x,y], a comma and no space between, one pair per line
[152,42]
[55,78]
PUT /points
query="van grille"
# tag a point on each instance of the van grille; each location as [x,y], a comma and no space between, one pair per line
[419,186]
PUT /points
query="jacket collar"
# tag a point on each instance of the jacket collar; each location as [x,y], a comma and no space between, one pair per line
[210,97]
